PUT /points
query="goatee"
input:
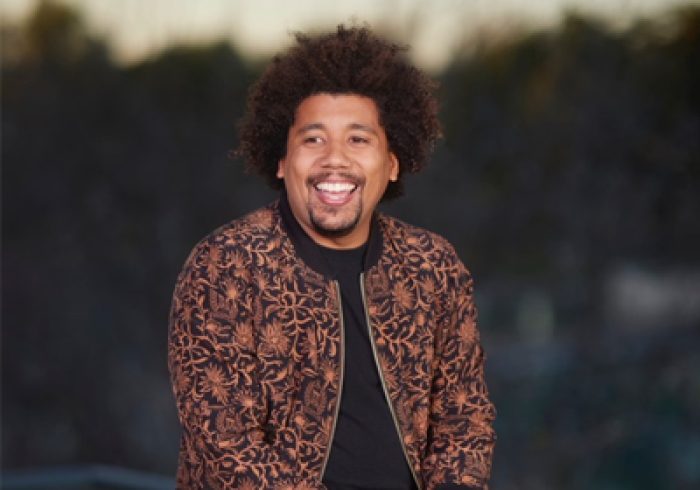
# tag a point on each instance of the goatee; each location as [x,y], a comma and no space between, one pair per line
[339,231]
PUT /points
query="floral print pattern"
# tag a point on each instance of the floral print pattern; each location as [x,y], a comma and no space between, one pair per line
[255,356]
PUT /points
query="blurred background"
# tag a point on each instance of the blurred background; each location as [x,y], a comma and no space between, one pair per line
[568,180]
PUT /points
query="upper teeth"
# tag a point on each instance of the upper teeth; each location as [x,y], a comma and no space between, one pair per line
[335,186]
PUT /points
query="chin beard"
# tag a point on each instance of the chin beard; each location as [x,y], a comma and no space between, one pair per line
[339,231]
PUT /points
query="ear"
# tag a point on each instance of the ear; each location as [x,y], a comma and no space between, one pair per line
[280,169]
[393,168]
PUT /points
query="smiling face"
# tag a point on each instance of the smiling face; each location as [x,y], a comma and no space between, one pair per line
[336,168]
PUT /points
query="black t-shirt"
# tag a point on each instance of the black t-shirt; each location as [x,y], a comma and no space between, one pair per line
[366,452]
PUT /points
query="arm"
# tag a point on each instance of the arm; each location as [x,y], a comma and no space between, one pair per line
[462,439]
[230,439]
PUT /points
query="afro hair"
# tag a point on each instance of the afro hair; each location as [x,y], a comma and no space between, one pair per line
[350,61]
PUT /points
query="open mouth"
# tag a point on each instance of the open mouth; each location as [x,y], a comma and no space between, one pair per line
[335,192]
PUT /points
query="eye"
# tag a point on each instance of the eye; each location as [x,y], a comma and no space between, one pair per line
[358,140]
[313,140]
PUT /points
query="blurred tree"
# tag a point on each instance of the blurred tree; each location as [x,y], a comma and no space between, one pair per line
[55,34]
[567,153]
[103,200]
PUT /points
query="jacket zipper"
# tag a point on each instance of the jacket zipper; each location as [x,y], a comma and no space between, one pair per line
[381,380]
[340,382]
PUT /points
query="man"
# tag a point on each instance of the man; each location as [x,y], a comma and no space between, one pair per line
[315,343]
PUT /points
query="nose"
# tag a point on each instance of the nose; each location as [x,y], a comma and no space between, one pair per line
[335,157]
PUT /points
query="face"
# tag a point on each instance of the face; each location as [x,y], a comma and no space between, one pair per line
[337,167]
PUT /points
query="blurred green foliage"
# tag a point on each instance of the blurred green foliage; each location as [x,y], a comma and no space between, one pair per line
[568,154]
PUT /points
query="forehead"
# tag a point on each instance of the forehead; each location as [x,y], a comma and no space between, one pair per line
[336,108]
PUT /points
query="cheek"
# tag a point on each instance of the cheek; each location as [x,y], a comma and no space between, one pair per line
[298,178]
[377,189]
[295,181]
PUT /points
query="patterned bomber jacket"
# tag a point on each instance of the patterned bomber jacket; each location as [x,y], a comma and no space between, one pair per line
[256,356]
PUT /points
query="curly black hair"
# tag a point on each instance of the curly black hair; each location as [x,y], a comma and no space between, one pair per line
[349,61]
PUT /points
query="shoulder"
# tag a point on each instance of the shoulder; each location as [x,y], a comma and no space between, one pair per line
[240,237]
[259,223]
[407,238]
[423,255]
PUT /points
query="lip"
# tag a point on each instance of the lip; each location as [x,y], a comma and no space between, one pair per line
[334,191]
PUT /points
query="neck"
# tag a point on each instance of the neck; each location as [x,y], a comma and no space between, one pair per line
[308,249]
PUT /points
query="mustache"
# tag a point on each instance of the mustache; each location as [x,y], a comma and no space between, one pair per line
[316,178]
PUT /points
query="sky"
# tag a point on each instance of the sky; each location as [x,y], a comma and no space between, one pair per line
[435,29]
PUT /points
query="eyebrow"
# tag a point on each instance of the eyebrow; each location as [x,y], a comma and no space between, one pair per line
[363,127]
[354,126]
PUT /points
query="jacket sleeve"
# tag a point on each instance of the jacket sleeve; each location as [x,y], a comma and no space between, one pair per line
[228,439]
[461,437]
